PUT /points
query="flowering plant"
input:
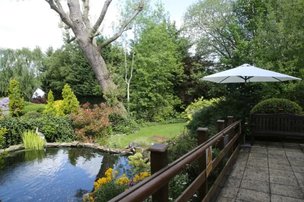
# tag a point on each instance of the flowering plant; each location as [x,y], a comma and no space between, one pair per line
[115,182]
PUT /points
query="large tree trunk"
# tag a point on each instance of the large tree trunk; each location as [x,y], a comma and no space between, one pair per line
[78,20]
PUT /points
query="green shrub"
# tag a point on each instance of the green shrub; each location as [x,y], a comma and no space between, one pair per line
[3,131]
[122,125]
[56,128]
[50,108]
[16,102]
[139,163]
[53,127]
[32,141]
[276,105]
[70,103]
[58,106]
[197,105]
[15,127]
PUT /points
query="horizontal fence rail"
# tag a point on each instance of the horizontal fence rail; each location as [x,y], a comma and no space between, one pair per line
[227,141]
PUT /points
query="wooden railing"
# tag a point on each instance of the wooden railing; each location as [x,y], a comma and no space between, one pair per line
[227,141]
[278,125]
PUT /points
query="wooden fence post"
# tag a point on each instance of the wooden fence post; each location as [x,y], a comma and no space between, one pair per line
[202,136]
[159,159]
[221,126]
[230,120]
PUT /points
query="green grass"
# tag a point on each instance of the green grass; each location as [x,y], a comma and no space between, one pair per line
[147,135]
[33,107]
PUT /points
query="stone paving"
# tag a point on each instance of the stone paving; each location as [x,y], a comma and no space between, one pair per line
[266,172]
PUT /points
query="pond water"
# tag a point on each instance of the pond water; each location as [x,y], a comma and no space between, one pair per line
[57,174]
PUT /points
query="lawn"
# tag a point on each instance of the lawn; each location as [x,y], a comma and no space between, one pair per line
[147,135]
[32,107]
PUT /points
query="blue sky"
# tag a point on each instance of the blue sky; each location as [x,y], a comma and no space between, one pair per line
[31,23]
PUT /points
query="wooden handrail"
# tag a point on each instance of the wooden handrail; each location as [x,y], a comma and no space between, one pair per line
[144,189]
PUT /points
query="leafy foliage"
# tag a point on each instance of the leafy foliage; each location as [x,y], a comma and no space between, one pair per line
[24,65]
[68,65]
[3,131]
[16,103]
[157,68]
[53,127]
[139,163]
[198,104]
[70,103]
[277,105]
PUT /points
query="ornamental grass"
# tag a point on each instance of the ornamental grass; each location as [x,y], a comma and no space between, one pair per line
[32,141]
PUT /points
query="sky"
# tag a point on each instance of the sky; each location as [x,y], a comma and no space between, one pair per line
[31,23]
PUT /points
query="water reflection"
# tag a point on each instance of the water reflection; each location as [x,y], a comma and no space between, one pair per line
[52,175]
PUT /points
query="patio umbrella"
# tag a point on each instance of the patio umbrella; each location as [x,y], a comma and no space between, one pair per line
[247,73]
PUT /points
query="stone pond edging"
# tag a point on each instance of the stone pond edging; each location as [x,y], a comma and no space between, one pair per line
[73,144]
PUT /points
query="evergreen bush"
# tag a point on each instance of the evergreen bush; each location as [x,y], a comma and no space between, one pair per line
[276,105]
[49,108]
[70,103]
[16,102]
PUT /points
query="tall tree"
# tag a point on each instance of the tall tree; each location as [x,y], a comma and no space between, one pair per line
[68,65]
[77,19]
[24,65]
[156,69]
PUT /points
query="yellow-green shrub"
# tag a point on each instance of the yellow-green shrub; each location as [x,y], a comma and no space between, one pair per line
[70,103]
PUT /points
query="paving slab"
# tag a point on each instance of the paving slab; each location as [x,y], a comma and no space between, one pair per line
[251,195]
[277,198]
[285,190]
[272,172]
[255,185]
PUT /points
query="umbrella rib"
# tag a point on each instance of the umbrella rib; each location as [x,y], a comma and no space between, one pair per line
[277,79]
[224,79]
[246,78]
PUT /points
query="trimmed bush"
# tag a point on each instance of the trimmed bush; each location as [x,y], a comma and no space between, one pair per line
[276,105]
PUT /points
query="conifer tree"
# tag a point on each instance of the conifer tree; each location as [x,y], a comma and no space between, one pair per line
[16,102]
[70,103]
[50,109]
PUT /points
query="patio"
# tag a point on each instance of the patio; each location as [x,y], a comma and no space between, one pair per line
[269,171]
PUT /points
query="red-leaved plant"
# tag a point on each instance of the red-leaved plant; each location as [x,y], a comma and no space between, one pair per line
[92,122]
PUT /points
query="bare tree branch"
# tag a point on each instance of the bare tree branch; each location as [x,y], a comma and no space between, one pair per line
[56,6]
[85,13]
[124,27]
[101,16]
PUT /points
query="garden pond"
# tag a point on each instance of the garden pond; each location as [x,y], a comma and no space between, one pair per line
[56,174]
